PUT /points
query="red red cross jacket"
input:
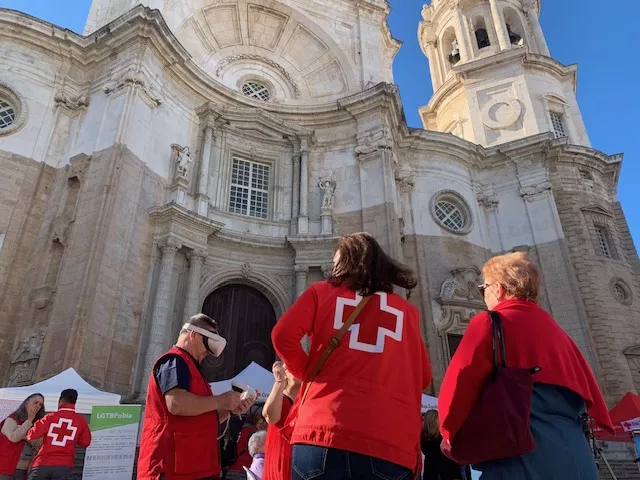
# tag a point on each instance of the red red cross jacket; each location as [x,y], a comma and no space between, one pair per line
[61,432]
[183,448]
[9,451]
[367,397]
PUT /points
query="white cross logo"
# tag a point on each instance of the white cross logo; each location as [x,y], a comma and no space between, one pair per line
[68,433]
[382,332]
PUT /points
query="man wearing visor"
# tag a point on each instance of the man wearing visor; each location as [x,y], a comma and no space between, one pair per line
[182,417]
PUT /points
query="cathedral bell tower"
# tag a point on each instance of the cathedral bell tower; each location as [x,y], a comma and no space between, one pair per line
[493,78]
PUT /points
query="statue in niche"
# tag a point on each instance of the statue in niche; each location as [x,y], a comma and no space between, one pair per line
[183,164]
[329,188]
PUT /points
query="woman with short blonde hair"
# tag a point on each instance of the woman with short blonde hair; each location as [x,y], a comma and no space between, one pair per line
[564,389]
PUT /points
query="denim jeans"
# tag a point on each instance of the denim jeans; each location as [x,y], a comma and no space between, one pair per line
[320,463]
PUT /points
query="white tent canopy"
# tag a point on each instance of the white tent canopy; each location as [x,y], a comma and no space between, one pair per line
[88,396]
[257,377]
[429,403]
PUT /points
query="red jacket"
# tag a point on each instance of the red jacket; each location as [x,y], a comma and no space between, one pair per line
[61,432]
[181,447]
[532,338]
[367,397]
[244,457]
[9,451]
[277,458]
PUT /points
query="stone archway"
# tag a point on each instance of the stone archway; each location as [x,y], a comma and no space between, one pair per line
[245,317]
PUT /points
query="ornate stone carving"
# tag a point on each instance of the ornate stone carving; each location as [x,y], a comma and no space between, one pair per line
[245,270]
[259,58]
[170,246]
[329,188]
[28,348]
[71,104]
[460,299]
[183,164]
[533,192]
[25,358]
[131,79]
[514,112]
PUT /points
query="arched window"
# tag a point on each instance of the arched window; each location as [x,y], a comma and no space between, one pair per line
[450,47]
[482,34]
[515,28]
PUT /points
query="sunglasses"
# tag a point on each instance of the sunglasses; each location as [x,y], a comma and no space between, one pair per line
[483,287]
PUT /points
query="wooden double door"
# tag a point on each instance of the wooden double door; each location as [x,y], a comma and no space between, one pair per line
[245,318]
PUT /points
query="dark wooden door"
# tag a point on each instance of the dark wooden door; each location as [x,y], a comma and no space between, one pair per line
[245,318]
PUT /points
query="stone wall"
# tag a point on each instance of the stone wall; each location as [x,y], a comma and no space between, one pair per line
[584,205]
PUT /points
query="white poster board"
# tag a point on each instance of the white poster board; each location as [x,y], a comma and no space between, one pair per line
[7,407]
[114,431]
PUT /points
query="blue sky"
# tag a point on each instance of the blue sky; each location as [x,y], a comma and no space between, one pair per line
[600,40]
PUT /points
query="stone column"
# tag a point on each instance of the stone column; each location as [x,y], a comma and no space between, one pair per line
[160,321]
[203,174]
[295,206]
[538,34]
[499,25]
[465,55]
[303,218]
[434,65]
[301,279]
[196,259]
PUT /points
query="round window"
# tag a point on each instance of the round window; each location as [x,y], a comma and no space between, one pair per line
[256,90]
[620,291]
[451,211]
[7,113]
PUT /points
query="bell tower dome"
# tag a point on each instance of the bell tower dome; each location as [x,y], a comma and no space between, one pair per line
[493,78]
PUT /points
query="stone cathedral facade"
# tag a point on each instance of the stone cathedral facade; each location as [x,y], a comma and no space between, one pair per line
[205,155]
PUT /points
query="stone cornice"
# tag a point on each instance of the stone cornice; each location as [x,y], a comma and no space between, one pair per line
[172,221]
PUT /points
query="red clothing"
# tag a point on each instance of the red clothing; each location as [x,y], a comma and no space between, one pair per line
[244,457]
[61,432]
[367,397]
[10,451]
[277,458]
[181,447]
[532,338]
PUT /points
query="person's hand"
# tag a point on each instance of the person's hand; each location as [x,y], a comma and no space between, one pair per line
[243,407]
[278,372]
[32,411]
[228,400]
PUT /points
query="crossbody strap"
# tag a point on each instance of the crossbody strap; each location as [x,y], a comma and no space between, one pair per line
[334,342]
[499,349]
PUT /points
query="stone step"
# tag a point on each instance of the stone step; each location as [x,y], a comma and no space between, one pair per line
[624,470]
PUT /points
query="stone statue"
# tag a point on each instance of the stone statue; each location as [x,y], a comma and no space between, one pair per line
[29,348]
[183,164]
[329,188]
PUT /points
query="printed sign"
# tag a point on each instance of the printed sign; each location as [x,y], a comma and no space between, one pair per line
[631,425]
[7,407]
[113,447]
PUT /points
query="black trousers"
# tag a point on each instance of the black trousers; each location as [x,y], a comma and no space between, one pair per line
[49,473]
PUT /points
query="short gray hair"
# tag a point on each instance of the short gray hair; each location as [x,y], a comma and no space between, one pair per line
[256,441]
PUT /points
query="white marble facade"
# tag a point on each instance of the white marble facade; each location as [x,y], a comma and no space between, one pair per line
[250,135]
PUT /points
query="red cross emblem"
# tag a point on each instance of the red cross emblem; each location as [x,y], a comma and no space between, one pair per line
[370,336]
[62,432]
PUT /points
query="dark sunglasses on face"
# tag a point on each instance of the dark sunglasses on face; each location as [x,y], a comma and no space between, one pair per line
[483,287]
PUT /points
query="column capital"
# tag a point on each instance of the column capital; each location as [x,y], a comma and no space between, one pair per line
[197,255]
[301,269]
[170,245]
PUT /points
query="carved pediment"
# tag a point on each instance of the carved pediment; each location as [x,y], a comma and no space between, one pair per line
[597,210]
[252,121]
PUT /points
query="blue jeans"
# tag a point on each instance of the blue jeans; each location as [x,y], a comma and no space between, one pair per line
[320,463]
